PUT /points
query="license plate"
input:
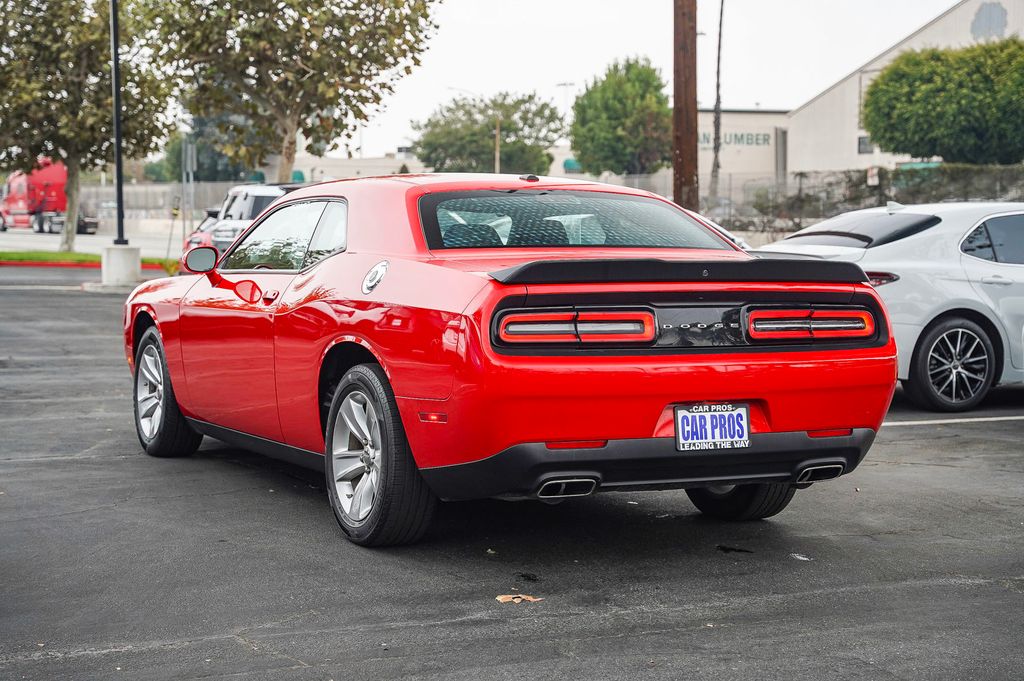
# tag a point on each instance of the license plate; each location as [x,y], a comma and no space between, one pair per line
[712,427]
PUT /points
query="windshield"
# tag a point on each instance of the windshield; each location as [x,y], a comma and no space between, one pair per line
[864,230]
[558,219]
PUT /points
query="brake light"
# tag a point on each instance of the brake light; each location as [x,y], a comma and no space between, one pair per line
[810,324]
[632,326]
[877,279]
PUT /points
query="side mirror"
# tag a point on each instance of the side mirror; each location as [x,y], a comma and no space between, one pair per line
[213,212]
[200,260]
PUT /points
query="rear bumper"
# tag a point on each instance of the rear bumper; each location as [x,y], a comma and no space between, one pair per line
[648,463]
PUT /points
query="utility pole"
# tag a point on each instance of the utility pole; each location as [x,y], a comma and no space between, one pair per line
[497,144]
[716,164]
[116,84]
[684,107]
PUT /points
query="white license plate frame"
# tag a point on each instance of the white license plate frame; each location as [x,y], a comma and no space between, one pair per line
[712,427]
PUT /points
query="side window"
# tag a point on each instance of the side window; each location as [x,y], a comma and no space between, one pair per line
[1007,235]
[978,244]
[280,241]
[331,234]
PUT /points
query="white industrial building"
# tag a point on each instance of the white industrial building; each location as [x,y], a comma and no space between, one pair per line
[825,133]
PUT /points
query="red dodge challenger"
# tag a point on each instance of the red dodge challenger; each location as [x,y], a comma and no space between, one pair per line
[427,337]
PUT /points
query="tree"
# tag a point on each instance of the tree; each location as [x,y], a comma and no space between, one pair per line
[961,104]
[314,67]
[57,95]
[622,122]
[459,136]
[212,165]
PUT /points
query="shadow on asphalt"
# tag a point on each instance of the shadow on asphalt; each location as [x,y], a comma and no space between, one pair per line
[639,525]
[606,527]
[999,400]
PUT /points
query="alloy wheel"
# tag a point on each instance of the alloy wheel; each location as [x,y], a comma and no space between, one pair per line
[149,391]
[357,456]
[958,365]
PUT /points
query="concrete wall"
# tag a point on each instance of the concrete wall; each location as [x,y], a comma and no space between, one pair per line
[750,140]
[823,133]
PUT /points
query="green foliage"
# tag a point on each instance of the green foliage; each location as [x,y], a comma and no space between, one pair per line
[56,89]
[622,122]
[286,67]
[212,165]
[459,136]
[55,80]
[965,105]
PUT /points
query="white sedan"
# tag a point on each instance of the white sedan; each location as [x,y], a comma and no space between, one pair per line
[952,277]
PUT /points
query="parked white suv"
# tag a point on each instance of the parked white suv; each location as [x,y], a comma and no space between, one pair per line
[241,206]
[952,277]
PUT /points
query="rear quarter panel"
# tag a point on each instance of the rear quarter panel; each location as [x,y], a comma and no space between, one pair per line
[412,323]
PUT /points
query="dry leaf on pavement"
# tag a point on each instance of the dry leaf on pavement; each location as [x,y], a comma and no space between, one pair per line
[517,598]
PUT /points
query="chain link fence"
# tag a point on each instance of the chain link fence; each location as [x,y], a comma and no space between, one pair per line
[751,203]
[151,200]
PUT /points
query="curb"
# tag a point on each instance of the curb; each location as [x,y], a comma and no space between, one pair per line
[97,287]
[83,265]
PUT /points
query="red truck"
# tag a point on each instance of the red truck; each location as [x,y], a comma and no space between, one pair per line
[37,200]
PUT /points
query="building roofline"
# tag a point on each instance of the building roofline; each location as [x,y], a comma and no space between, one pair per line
[745,111]
[878,56]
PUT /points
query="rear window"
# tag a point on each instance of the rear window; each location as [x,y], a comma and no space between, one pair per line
[558,219]
[259,203]
[864,230]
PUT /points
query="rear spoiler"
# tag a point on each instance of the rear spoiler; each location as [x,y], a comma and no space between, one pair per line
[794,269]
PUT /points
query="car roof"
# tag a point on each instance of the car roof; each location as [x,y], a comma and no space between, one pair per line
[428,182]
[258,189]
[967,210]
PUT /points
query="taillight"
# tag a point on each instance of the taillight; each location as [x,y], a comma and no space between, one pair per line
[810,324]
[877,279]
[586,326]
[615,327]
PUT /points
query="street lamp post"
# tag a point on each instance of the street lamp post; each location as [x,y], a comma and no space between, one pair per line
[115,63]
[121,264]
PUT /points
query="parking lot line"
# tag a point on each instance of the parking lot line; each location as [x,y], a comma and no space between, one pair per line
[943,422]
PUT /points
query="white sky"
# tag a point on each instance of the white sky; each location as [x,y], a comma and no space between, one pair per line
[776,53]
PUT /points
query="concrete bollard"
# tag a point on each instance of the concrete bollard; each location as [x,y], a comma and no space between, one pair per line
[121,266]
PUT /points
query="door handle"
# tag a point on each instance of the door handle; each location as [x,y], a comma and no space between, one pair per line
[996,280]
[269,296]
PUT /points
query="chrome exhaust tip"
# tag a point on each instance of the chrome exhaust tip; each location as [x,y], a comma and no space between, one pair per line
[567,487]
[819,473]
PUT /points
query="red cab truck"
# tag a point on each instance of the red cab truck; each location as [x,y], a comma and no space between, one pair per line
[36,200]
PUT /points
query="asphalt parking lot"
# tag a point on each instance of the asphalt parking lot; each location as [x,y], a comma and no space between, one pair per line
[117,565]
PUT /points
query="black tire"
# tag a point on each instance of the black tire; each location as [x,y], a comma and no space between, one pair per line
[742,502]
[921,390]
[173,435]
[403,506]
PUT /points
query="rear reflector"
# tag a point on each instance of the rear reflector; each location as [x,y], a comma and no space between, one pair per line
[836,432]
[576,444]
[810,324]
[632,326]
